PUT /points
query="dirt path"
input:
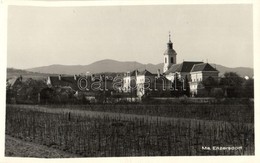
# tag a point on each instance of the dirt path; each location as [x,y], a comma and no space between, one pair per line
[18,148]
[123,116]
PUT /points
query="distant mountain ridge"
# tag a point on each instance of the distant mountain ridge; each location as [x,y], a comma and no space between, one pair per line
[118,66]
[14,73]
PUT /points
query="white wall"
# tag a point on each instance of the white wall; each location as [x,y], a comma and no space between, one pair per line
[126,83]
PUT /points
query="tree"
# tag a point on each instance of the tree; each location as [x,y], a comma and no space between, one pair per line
[186,86]
[217,93]
[248,88]
[209,84]
[232,84]
[9,93]
[177,86]
[47,95]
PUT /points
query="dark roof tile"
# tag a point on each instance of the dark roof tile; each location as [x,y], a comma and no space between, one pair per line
[146,73]
[65,81]
[203,67]
[183,67]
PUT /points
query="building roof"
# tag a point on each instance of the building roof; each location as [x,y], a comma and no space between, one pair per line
[174,68]
[169,52]
[64,81]
[146,73]
[132,73]
[163,78]
[72,81]
[183,67]
[12,81]
[202,67]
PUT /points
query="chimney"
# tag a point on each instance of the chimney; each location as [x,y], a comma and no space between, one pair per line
[158,73]
[75,77]
[59,77]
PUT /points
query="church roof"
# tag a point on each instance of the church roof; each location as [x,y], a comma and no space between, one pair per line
[174,68]
[169,52]
[183,67]
[203,67]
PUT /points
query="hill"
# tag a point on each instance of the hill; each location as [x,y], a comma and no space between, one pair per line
[96,67]
[242,71]
[117,66]
[12,72]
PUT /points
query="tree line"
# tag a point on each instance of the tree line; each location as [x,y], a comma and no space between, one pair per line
[230,85]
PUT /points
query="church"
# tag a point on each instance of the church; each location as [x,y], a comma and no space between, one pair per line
[191,72]
[194,71]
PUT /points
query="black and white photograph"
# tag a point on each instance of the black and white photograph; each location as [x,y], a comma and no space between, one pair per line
[138,80]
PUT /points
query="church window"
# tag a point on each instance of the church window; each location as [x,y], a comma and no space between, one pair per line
[165,60]
[171,59]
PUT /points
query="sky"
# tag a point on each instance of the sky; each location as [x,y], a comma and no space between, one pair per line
[41,36]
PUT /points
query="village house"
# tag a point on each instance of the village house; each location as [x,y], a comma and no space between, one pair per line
[91,87]
[63,81]
[129,81]
[145,83]
[199,73]
[149,84]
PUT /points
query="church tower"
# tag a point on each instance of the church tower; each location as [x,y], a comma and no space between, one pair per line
[169,56]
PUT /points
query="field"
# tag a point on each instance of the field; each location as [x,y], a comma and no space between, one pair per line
[136,130]
[18,148]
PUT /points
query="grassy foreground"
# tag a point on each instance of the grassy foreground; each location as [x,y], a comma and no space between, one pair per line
[18,148]
[107,136]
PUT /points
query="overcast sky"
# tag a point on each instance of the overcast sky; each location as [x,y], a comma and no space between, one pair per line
[41,36]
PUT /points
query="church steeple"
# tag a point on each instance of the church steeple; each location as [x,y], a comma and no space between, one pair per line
[169,36]
[169,44]
[169,55]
